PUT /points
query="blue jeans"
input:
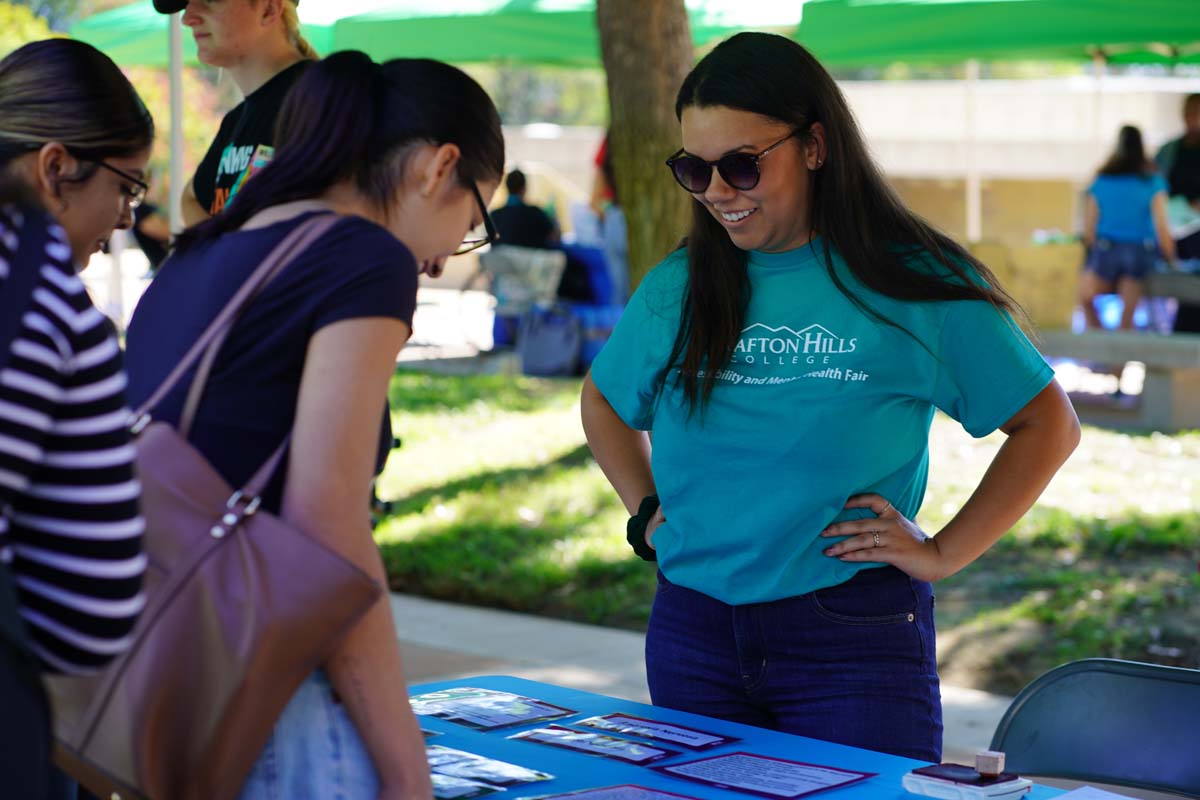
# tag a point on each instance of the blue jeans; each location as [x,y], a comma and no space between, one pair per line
[852,664]
[314,752]
[1112,261]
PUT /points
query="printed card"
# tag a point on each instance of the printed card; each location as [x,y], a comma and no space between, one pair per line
[763,775]
[446,787]
[670,733]
[461,764]
[624,792]
[485,709]
[597,744]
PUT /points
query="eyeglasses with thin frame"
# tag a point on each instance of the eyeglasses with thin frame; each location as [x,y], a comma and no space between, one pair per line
[739,170]
[135,194]
[489,227]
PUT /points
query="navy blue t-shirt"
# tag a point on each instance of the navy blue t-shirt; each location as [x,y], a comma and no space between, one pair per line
[357,269]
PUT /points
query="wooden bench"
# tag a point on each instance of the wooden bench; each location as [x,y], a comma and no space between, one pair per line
[1170,399]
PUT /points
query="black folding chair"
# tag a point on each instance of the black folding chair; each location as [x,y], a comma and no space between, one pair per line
[1108,721]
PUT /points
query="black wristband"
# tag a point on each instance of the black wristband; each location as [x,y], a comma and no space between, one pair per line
[635,529]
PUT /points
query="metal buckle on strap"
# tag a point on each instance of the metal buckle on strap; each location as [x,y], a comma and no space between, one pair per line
[235,514]
[139,424]
[251,505]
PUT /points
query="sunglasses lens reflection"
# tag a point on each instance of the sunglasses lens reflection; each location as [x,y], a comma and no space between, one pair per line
[739,170]
[692,173]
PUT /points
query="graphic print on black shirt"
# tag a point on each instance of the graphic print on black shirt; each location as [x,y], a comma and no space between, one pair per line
[250,126]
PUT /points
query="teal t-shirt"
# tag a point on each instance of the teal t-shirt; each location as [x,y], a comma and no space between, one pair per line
[820,402]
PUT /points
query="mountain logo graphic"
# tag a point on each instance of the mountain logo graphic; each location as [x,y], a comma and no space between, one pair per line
[760,338]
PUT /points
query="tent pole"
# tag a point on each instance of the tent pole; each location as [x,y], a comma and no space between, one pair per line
[974,186]
[1099,68]
[175,33]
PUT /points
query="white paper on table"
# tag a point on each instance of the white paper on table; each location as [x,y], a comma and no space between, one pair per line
[1092,793]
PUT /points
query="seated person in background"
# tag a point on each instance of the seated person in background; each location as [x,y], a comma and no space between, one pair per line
[1126,213]
[152,232]
[521,224]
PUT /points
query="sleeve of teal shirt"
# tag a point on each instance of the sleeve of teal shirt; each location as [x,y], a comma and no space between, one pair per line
[1157,184]
[627,369]
[989,369]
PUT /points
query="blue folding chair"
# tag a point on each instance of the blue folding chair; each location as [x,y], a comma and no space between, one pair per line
[1108,721]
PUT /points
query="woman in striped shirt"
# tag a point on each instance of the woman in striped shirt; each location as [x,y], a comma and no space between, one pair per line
[74,138]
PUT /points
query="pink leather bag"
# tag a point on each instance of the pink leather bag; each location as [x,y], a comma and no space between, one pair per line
[241,608]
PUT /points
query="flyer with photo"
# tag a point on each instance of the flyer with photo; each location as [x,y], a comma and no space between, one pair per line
[446,787]
[670,733]
[485,709]
[626,791]
[763,775]
[461,764]
[597,744]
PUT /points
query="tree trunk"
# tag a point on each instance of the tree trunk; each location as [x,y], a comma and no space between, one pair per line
[647,50]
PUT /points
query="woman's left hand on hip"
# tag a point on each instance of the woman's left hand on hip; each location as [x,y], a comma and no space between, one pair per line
[888,538]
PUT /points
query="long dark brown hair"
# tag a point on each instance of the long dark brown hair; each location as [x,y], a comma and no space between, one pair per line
[854,210]
[1130,156]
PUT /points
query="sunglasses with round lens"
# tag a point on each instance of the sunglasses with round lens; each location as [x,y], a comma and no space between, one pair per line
[739,170]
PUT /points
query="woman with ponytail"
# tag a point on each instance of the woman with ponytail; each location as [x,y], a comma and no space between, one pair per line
[260,44]
[788,360]
[409,173]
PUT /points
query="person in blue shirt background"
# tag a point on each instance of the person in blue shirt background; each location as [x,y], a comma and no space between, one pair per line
[1126,214]
[788,360]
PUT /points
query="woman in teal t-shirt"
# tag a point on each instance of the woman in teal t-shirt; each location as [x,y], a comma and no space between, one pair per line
[1126,214]
[788,361]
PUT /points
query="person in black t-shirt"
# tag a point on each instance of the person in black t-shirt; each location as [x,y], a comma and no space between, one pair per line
[260,44]
[1179,160]
[152,233]
[521,224]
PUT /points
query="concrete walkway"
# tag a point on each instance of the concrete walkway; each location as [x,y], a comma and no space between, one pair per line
[442,641]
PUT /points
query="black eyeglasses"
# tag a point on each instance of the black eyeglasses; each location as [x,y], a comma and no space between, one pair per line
[489,227]
[135,194]
[739,170]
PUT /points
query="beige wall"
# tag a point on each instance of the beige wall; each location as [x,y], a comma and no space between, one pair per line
[1012,209]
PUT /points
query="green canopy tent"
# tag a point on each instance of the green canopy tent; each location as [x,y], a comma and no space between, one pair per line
[553,32]
[857,33]
[853,33]
[561,32]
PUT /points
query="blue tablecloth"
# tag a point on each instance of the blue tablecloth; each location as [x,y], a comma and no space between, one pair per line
[575,771]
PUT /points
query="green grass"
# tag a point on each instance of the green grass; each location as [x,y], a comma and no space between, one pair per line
[497,502]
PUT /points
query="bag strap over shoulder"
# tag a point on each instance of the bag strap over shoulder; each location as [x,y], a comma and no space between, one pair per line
[209,342]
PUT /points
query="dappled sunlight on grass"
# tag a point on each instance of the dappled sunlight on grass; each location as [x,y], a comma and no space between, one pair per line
[498,502]
[1109,474]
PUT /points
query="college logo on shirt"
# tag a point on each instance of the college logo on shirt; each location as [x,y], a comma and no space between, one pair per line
[814,347]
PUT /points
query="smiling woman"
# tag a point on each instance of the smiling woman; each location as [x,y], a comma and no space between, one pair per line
[74,131]
[800,340]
